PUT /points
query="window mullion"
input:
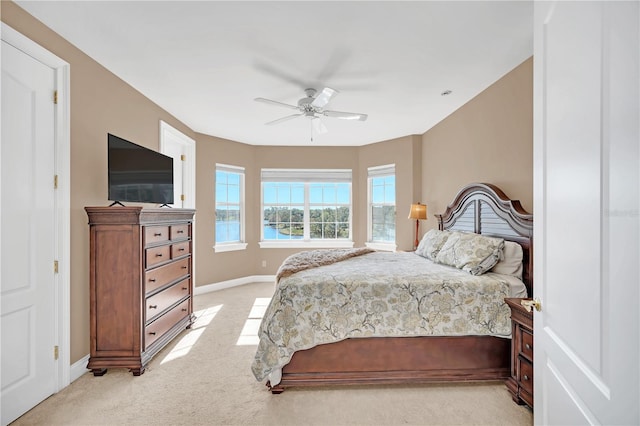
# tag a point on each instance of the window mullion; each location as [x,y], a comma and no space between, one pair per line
[307,212]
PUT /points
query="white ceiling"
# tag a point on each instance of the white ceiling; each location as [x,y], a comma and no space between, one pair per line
[205,61]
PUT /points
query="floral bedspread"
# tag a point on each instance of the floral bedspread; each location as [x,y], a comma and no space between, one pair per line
[378,294]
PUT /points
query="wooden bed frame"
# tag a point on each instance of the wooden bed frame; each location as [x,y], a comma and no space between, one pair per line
[481,208]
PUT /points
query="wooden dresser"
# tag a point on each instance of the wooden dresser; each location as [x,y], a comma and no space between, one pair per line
[520,384]
[140,283]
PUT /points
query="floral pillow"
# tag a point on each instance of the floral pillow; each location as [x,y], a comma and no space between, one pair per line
[431,243]
[470,252]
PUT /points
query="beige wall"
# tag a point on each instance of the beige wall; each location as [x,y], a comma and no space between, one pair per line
[489,139]
[100,103]
[214,267]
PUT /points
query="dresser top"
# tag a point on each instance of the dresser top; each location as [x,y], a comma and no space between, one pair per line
[118,215]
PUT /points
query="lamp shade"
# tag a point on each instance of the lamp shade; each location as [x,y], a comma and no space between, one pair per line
[418,211]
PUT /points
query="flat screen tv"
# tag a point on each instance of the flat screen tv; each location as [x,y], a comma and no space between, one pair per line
[138,174]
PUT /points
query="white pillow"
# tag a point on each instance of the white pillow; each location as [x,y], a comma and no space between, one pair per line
[511,262]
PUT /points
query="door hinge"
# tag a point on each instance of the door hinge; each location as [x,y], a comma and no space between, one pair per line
[183,157]
[182,197]
[55,97]
[55,181]
[55,266]
[56,352]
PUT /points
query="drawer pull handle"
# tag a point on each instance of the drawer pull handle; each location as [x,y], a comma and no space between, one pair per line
[152,280]
[528,346]
[153,306]
[526,377]
[184,288]
[184,309]
[180,249]
[180,231]
[157,234]
[184,267]
[153,333]
[158,254]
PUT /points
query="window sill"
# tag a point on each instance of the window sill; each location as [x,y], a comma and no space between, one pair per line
[381,246]
[306,244]
[221,248]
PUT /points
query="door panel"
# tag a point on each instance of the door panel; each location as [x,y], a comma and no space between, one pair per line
[586,199]
[28,233]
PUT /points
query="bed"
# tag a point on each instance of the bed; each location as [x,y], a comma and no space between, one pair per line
[398,334]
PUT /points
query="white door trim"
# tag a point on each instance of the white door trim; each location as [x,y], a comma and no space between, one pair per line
[62,195]
[189,175]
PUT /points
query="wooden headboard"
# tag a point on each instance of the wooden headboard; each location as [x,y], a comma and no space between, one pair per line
[484,209]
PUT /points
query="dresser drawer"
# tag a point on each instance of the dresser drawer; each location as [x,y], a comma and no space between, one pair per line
[156,255]
[155,234]
[180,249]
[526,342]
[160,326]
[180,232]
[525,374]
[157,303]
[163,275]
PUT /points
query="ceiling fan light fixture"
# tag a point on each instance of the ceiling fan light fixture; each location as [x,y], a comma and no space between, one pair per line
[313,107]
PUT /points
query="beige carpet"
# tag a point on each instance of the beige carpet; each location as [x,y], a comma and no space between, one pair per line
[204,378]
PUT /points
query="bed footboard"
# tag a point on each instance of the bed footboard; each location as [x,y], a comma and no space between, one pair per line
[392,360]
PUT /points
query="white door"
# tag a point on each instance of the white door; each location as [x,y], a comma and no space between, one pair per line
[586,210]
[28,233]
[181,148]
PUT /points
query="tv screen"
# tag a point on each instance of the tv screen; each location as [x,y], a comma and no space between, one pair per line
[138,174]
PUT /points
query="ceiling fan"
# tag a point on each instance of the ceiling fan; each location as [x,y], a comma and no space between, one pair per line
[312,107]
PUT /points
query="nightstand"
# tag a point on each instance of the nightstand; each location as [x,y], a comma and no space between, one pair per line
[520,384]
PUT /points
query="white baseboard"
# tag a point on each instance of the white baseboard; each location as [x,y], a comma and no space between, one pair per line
[78,368]
[202,289]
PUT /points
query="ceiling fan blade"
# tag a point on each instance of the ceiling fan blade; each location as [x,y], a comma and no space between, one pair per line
[280,120]
[324,97]
[346,115]
[319,126]
[269,101]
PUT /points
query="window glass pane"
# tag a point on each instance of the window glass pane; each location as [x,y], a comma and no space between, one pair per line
[315,193]
[269,193]
[315,215]
[343,192]
[297,194]
[377,194]
[390,193]
[221,177]
[284,193]
[233,194]
[221,193]
[233,178]
[329,194]
[343,214]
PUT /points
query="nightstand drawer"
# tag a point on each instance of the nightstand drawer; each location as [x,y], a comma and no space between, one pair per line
[526,348]
[525,373]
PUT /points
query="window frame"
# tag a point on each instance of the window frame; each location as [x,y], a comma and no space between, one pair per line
[373,173]
[225,246]
[307,177]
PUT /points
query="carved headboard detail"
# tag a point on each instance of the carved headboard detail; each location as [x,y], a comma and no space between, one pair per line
[484,209]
